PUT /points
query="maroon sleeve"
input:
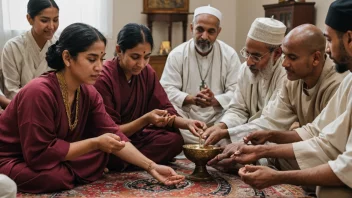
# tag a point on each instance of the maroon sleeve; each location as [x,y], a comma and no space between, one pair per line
[99,120]
[104,87]
[159,99]
[36,111]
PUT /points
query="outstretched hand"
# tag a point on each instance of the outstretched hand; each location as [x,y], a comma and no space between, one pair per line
[224,160]
[196,127]
[257,137]
[214,134]
[159,118]
[165,174]
[259,176]
[246,154]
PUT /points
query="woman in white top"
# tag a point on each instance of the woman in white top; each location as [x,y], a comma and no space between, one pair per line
[23,57]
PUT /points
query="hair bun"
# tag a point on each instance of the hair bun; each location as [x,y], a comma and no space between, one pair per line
[53,57]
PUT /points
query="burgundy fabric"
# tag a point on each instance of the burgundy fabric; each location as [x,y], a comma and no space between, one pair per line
[126,102]
[35,137]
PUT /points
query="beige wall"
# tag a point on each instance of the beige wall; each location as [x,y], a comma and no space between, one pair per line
[130,11]
[237,18]
[248,10]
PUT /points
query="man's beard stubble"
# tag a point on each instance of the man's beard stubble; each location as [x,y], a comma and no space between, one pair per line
[345,60]
[264,73]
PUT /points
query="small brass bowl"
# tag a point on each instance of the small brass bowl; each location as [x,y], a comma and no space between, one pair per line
[200,156]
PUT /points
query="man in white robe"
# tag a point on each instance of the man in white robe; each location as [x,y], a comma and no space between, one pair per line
[200,75]
[21,61]
[259,79]
[312,82]
[8,187]
[325,155]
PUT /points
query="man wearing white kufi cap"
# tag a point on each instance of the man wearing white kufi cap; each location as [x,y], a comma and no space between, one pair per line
[259,79]
[325,154]
[313,81]
[200,75]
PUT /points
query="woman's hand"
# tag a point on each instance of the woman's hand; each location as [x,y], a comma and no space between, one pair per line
[196,127]
[158,117]
[109,143]
[165,174]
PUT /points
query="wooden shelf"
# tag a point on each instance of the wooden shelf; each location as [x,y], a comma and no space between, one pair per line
[158,63]
[292,13]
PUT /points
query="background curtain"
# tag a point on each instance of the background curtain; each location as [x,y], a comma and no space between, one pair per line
[97,13]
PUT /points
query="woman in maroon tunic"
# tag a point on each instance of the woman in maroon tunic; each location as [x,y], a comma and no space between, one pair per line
[56,133]
[136,101]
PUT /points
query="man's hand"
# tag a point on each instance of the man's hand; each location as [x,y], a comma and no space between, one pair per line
[206,98]
[224,159]
[215,133]
[258,137]
[259,176]
[189,100]
[246,154]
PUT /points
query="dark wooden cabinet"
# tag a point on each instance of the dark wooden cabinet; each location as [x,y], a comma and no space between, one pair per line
[158,63]
[292,13]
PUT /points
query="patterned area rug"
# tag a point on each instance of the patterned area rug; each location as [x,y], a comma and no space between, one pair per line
[141,184]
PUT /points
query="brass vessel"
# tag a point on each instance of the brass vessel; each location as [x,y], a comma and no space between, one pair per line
[200,156]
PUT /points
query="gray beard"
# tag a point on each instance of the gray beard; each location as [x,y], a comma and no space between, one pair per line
[265,73]
[202,50]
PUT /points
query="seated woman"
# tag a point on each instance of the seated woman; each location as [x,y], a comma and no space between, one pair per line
[136,101]
[23,57]
[56,128]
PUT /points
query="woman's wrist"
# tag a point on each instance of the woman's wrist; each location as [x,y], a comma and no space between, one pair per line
[150,166]
[171,122]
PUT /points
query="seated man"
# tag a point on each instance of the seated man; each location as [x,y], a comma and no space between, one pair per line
[200,75]
[259,79]
[325,154]
[312,82]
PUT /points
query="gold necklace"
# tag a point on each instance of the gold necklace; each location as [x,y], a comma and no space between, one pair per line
[64,92]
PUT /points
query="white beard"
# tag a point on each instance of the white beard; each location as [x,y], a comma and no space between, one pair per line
[265,73]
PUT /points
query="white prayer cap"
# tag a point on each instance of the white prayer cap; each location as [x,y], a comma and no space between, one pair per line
[267,30]
[207,10]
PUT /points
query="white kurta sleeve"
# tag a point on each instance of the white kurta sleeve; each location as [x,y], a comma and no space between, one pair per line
[276,115]
[237,113]
[333,141]
[171,79]
[233,67]
[10,60]
[342,166]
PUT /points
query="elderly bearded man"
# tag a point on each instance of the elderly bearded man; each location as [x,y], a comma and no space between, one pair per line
[200,75]
[259,80]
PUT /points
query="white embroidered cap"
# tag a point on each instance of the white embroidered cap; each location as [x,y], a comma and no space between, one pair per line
[267,30]
[208,10]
